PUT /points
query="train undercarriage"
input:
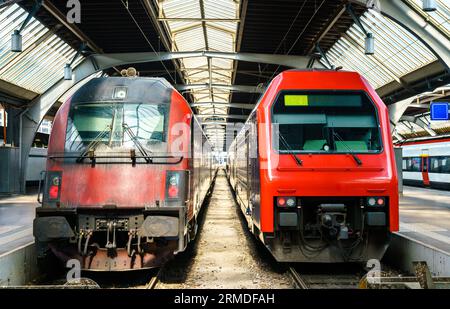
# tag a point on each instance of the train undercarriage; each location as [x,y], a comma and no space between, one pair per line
[112,240]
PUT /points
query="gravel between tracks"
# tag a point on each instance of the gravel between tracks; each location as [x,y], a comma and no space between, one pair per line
[225,255]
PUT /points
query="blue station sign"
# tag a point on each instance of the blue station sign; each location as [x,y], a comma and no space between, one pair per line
[439,111]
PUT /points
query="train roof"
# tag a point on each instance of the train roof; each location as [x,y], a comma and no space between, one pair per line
[322,79]
[318,79]
[424,140]
[138,89]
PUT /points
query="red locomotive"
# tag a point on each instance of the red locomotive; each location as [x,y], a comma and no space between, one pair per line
[128,169]
[313,169]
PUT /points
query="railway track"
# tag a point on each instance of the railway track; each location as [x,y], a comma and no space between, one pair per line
[324,280]
[154,280]
[298,280]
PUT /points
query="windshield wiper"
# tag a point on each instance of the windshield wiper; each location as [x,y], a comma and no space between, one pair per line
[136,142]
[352,153]
[93,144]
[289,149]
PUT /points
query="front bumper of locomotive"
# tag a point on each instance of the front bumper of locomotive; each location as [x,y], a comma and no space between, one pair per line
[373,246]
[329,229]
[112,240]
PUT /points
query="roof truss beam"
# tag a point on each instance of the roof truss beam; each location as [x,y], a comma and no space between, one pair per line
[72,27]
[420,123]
[202,19]
[226,116]
[234,105]
[237,88]
[116,59]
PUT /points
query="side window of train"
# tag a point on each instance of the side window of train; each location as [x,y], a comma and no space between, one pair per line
[416,164]
[435,165]
[445,163]
[407,164]
[412,164]
[439,165]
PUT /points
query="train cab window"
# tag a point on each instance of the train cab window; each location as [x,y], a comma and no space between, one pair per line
[325,122]
[116,126]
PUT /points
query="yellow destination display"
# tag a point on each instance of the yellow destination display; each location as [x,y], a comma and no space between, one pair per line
[296,100]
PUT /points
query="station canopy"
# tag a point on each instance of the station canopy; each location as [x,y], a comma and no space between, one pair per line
[402,67]
[44,54]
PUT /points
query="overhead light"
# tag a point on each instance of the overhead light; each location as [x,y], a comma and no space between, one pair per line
[369,44]
[16,42]
[429,5]
[369,41]
[67,72]
[16,37]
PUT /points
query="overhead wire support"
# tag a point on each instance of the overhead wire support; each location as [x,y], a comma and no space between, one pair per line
[127,8]
[68,66]
[324,56]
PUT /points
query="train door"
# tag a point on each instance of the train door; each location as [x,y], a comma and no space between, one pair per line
[235,166]
[248,169]
[424,169]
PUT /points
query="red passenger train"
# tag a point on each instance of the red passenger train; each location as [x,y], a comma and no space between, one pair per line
[313,169]
[128,169]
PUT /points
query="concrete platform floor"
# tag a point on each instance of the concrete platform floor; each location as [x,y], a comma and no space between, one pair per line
[425,216]
[16,220]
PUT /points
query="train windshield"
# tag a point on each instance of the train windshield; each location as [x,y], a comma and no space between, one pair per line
[116,127]
[325,122]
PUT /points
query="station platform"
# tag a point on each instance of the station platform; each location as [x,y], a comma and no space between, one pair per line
[425,216]
[16,221]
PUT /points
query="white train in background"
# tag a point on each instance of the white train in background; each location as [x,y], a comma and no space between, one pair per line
[426,162]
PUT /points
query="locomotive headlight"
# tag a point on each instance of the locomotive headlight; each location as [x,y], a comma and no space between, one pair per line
[53,186]
[177,187]
[55,181]
[290,202]
[380,201]
[173,190]
[120,93]
[376,201]
[281,201]
[173,181]
[286,201]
